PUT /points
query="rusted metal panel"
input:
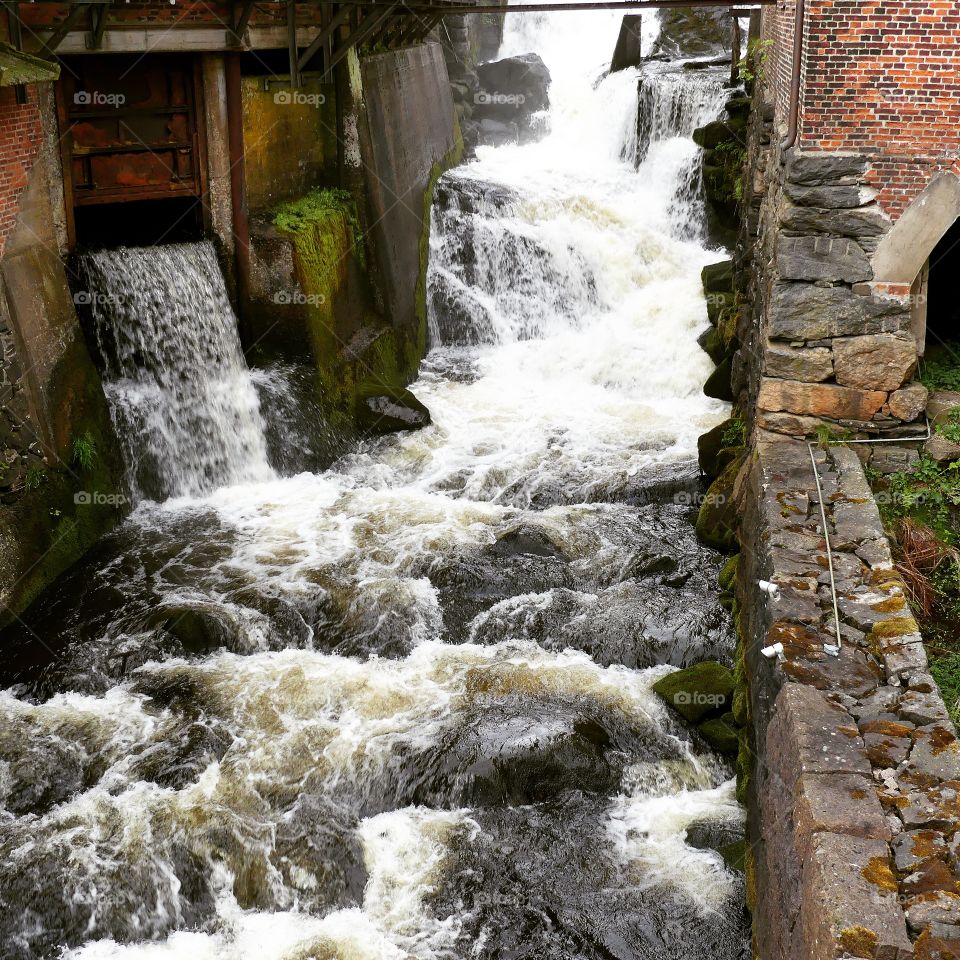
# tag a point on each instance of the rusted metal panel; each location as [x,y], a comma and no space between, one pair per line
[129,127]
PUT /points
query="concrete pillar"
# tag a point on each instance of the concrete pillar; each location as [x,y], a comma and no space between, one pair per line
[213,71]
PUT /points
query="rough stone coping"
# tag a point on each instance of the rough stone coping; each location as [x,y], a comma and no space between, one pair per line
[859,763]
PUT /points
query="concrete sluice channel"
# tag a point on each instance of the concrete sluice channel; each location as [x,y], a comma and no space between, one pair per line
[401,707]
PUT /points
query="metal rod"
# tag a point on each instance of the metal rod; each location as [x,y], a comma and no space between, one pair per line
[793,124]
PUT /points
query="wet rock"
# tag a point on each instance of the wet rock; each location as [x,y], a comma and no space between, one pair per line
[710,446]
[717,277]
[528,884]
[511,91]
[718,383]
[721,733]
[712,345]
[875,361]
[717,519]
[691,32]
[697,691]
[717,132]
[383,410]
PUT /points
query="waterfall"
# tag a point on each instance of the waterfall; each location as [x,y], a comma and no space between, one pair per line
[181,398]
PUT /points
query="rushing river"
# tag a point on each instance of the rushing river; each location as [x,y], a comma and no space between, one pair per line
[400,707]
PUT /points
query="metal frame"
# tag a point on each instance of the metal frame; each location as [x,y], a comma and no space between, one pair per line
[344,23]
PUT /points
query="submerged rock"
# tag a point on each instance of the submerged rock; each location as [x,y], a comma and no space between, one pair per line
[389,409]
[698,690]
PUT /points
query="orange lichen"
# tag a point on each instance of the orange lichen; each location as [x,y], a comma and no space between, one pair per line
[859,942]
[878,872]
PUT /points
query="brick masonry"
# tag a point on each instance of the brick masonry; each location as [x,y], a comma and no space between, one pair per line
[21,136]
[882,79]
[855,794]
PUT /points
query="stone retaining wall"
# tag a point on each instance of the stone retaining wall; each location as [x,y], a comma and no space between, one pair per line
[854,794]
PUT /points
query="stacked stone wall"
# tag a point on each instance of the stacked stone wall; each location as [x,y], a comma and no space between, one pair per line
[855,791]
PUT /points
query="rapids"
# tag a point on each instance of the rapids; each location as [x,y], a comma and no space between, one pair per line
[399,706]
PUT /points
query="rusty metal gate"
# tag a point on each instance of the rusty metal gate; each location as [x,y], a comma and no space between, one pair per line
[130,129]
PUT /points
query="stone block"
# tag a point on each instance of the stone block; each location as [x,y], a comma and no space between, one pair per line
[857,223]
[809,735]
[935,910]
[913,848]
[822,258]
[941,449]
[880,361]
[936,751]
[825,168]
[923,707]
[810,364]
[934,808]
[802,311]
[819,399]
[837,803]
[857,521]
[909,402]
[832,197]
[849,901]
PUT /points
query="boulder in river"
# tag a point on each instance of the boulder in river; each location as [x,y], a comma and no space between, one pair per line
[511,92]
[697,691]
[382,409]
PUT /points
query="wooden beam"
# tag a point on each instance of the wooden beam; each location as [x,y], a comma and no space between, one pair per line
[240,21]
[98,16]
[62,29]
[365,30]
[553,6]
[340,17]
[292,44]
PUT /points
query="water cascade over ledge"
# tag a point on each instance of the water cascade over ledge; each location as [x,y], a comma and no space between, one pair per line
[401,707]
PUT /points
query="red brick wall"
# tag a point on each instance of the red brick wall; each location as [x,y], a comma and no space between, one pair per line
[881,77]
[20,138]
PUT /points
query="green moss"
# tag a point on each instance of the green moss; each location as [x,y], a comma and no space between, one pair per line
[697,691]
[744,765]
[721,734]
[717,518]
[317,207]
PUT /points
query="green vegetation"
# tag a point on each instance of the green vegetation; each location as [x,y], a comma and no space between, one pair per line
[35,478]
[317,207]
[752,64]
[941,371]
[734,433]
[946,671]
[83,452]
[921,512]
[928,494]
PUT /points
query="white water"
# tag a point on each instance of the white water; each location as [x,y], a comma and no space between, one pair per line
[583,384]
[180,393]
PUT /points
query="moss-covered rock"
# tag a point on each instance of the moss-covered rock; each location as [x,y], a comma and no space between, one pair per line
[744,765]
[718,383]
[734,855]
[712,345]
[697,691]
[717,277]
[721,733]
[728,572]
[717,302]
[717,520]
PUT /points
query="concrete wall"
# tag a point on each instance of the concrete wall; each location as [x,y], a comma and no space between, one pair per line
[409,134]
[289,139]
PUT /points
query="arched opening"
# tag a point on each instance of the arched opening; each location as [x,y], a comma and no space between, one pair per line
[942,300]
